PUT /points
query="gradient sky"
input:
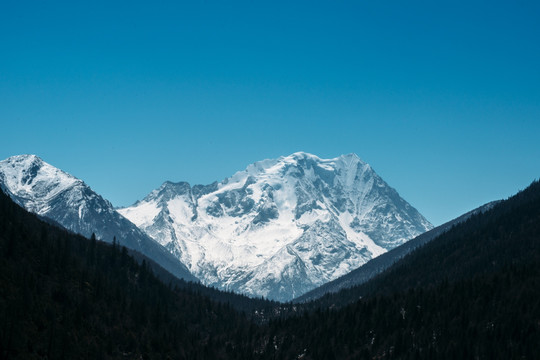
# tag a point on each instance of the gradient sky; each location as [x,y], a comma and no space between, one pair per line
[442,98]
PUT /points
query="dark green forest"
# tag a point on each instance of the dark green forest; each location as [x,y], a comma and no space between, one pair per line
[65,297]
[471,293]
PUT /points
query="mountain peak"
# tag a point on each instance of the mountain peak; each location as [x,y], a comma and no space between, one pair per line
[346,159]
[170,189]
[301,155]
[25,160]
[281,226]
[349,156]
[29,177]
[306,155]
[172,185]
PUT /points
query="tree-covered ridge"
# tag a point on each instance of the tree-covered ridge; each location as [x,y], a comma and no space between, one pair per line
[64,296]
[494,316]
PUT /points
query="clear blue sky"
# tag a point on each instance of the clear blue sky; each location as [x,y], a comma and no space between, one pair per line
[442,98]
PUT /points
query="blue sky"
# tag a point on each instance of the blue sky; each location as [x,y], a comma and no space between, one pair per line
[441,98]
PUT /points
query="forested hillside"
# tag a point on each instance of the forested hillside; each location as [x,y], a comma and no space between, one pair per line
[64,296]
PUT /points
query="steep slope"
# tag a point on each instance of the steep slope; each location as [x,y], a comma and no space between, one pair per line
[379,264]
[281,227]
[504,234]
[51,193]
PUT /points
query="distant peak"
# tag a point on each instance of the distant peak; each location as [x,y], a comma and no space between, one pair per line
[25,158]
[31,165]
[171,184]
[301,155]
[166,184]
[306,155]
[30,177]
[170,189]
[350,156]
[346,158]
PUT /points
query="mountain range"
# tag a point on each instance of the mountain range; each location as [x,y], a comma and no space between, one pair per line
[469,293]
[281,227]
[278,229]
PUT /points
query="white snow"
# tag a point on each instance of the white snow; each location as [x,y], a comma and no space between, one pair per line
[278,228]
[232,251]
[145,214]
[34,181]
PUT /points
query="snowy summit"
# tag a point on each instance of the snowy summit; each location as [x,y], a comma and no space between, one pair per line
[281,227]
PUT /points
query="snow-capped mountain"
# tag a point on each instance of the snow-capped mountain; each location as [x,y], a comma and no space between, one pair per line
[281,227]
[52,193]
